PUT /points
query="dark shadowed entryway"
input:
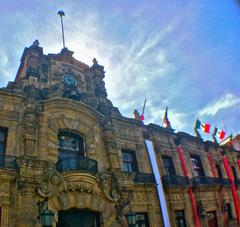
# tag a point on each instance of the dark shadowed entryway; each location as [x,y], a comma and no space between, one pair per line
[78,218]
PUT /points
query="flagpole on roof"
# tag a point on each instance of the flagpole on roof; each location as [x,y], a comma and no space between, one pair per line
[61,14]
[195,129]
[165,116]
[166,123]
[144,106]
[213,135]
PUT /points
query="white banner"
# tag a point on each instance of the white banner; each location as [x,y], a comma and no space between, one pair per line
[160,191]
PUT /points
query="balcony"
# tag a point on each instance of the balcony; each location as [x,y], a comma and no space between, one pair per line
[79,163]
[8,162]
[237,182]
[225,182]
[147,178]
[175,181]
[208,181]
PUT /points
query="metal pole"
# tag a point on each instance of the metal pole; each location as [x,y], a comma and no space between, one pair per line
[144,106]
[62,32]
[61,14]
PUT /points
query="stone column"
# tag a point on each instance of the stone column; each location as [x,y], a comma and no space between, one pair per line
[112,150]
[27,208]
[5,216]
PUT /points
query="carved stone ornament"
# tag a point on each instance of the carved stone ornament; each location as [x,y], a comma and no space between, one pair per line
[109,186]
[53,183]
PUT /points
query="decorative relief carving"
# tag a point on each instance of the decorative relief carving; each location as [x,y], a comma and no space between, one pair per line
[109,186]
[53,183]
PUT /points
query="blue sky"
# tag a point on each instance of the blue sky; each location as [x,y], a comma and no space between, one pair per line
[181,54]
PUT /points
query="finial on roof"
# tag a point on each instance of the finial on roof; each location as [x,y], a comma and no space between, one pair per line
[61,13]
[97,67]
[94,61]
[35,43]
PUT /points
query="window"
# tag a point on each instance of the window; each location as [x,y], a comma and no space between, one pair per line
[180,218]
[228,210]
[142,220]
[234,173]
[219,172]
[168,165]
[3,140]
[129,161]
[197,166]
[70,144]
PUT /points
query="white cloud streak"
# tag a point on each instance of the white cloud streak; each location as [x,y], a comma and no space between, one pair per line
[226,101]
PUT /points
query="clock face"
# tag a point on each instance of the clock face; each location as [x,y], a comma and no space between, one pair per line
[69,80]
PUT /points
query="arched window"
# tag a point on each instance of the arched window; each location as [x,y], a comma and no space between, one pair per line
[70,144]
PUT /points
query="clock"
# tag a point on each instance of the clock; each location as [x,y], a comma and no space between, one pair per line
[69,80]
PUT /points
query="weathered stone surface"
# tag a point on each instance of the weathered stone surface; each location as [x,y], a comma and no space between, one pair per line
[56,92]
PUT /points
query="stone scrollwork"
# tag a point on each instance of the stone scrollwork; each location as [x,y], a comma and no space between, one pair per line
[53,183]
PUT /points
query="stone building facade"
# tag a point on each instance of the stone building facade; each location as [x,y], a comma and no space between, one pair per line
[65,147]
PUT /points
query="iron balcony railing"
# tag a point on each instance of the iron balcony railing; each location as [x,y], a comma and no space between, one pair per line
[147,178]
[225,182]
[203,180]
[8,162]
[79,163]
[173,180]
[237,182]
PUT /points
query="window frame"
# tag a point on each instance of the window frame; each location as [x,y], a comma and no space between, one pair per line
[68,152]
[133,163]
[183,218]
[146,219]
[219,171]
[170,171]
[234,172]
[229,211]
[197,168]
[4,143]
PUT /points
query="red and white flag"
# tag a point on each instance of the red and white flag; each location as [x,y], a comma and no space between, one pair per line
[219,133]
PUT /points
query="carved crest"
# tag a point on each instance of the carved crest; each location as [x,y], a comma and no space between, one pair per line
[53,183]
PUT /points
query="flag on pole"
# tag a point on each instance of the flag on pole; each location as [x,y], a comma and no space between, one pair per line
[219,133]
[142,117]
[204,126]
[166,122]
[143,109]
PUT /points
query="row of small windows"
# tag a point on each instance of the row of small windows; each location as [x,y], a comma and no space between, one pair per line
[72,145]
[196,164]
[180,218]
[130,165]
[198,170]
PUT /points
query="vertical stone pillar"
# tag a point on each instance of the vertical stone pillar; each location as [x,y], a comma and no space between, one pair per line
[112,150]
[5,216]
[6,198]
[27,209]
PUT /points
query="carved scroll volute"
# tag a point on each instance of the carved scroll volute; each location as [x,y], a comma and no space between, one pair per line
[52,185]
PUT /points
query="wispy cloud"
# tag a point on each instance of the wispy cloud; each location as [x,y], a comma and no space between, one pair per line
[155,114]
[153,51]
[226,101]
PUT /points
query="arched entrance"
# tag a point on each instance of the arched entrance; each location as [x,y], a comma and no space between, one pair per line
[78,218]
